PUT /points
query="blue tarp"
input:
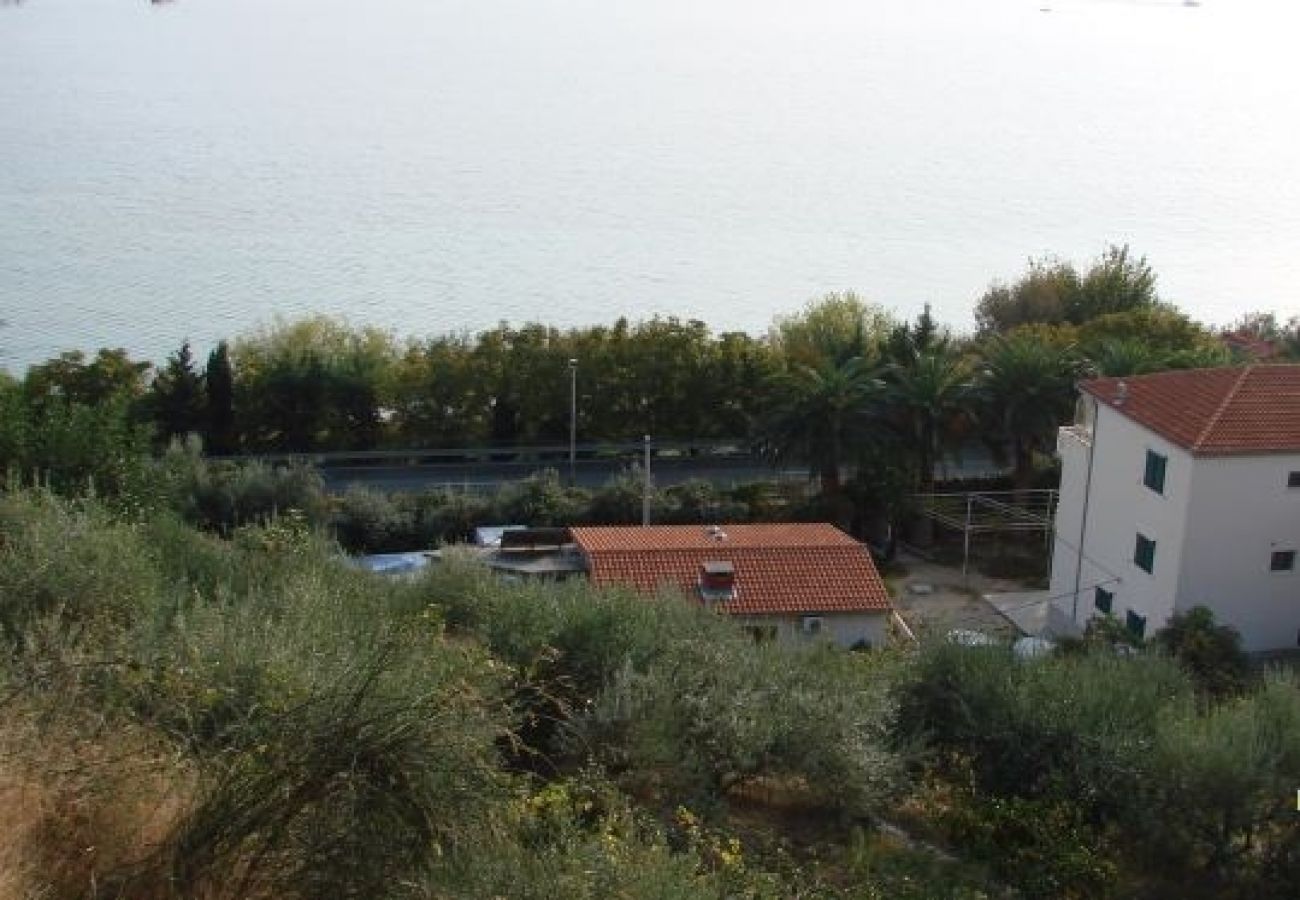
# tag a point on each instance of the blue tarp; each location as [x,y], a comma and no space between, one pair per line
[392,563]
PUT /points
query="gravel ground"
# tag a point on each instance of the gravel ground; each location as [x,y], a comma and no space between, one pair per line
[954,602]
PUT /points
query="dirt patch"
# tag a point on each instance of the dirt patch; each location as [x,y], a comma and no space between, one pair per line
[953,600]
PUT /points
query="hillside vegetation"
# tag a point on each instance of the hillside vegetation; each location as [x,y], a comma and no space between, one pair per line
[188,715]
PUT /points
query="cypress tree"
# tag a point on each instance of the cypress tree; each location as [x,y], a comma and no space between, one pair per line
[220,382]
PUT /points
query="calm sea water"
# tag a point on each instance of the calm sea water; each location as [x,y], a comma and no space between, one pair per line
[194,168]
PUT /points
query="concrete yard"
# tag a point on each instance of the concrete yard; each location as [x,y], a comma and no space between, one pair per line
[953,602]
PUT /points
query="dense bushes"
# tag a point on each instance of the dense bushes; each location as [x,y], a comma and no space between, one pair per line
[707,717]
[1059,761]
[322,732]
[246,716]
[330,740]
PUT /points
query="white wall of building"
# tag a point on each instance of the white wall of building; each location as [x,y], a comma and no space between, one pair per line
[1241,512]
[1215,525]
[1120,507]
[844,629]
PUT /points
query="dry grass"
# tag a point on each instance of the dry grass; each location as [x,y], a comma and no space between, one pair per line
[78,808]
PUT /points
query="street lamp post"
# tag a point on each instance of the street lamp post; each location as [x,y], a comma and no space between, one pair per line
[573,423]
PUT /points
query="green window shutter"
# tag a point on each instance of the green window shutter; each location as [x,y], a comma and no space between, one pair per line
[1154,476]
[1144,554]
[1104,600]
[1136,624]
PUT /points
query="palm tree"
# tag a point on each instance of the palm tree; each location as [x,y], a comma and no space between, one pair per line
[1119,357]
[928,396]
[822,414]
[1024,391]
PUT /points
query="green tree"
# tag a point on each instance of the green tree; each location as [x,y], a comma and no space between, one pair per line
[822,416]
[1125,356]
[835,329]
[1211,653]
[219,384]
[1118,282]
[1160,327]
[69,378]
[312,384]
[1024,391]
[927,389]
[1043,295]
[1052,292]
[176,397]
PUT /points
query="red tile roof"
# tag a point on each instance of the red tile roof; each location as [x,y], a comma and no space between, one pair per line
[782,569]
[1239,410]
[1249,345]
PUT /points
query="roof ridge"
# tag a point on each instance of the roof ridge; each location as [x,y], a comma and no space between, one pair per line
[850,545]
[1222,407]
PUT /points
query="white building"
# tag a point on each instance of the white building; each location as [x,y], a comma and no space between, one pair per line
[797,582]
[1182,489]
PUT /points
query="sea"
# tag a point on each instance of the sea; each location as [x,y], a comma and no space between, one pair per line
[195,169]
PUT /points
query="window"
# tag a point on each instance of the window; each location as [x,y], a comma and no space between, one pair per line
[762,634]
[1154,477]
[1283,561]
[1104,600]
[811,625]
[1293,480]
[1144,554]
[1137,625]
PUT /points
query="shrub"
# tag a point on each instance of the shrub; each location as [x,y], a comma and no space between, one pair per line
[620,501]
[72,564]
[710,716]
[1076,727]
[579,838]
[1222,790]
[1044,847]
[1211,653]
[540,501]
[351,792]
[564,641]
[221,495]
[81,802]
[368,521]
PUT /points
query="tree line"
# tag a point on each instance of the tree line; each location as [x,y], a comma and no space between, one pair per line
[838,386]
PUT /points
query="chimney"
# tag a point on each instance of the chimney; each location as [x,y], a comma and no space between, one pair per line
[717,580]
[1121,393]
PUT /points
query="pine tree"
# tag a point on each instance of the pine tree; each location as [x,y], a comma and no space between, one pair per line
[178,396]
[220,382]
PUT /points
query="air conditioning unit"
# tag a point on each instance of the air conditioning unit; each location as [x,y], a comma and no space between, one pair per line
[811,626]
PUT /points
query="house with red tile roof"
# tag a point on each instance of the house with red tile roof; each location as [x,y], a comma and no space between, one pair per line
[1182,489]
[786,581]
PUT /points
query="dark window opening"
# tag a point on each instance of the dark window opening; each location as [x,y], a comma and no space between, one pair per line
[1104,600]
[1144,554]
[1137,625]
[1283,561]
[1154,477]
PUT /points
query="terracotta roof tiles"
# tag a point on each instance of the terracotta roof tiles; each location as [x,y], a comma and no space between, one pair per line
[1213,412]
[780,569]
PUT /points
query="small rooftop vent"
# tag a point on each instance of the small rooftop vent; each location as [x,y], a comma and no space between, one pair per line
[717,581]
[716,533]
[1121,393]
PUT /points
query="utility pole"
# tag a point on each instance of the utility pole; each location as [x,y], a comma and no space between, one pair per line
[645,495]
[573,423]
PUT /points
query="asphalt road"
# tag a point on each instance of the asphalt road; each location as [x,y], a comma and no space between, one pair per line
[590,472]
